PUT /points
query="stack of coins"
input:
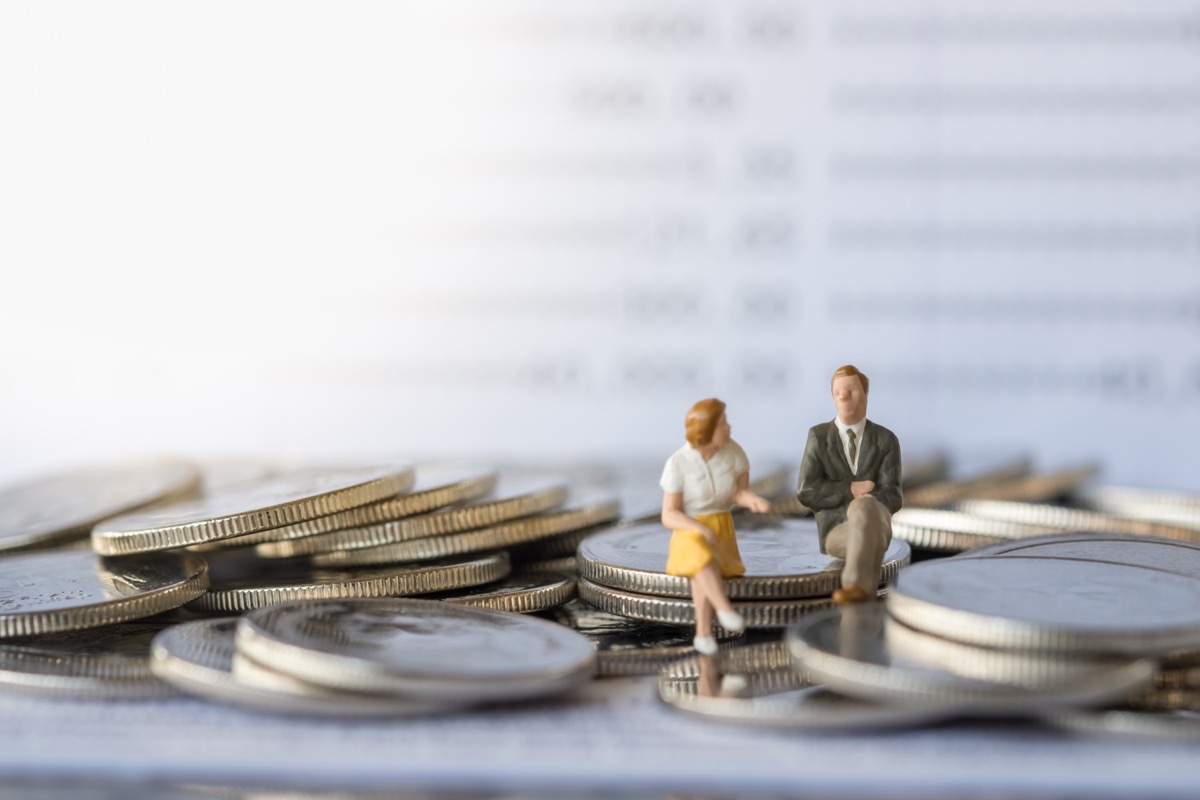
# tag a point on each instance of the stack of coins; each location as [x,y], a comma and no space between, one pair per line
[1040,627]
[374,657]
[622,572]
[268,539]
[373,533]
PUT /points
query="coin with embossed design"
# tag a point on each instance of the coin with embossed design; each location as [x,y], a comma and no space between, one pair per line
[198,658]
[418,648]
[60,590]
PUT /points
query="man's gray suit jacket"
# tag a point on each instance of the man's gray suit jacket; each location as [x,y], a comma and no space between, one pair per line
[825,473]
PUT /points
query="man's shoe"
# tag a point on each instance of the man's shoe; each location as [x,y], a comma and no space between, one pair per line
[849,595]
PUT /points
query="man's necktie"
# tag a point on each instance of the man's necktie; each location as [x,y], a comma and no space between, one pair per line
[853,447]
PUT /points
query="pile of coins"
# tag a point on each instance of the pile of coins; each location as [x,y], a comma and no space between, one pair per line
[1047,628]
[1075,607]
[169,561]
[395,590]
[786,578]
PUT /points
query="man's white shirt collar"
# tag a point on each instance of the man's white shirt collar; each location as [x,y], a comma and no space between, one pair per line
[858,429]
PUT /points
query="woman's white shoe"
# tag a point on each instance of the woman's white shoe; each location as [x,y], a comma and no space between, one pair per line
[705,645]
[731,621]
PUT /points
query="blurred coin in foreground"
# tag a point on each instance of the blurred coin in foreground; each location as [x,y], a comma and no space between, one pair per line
[782,558]
[1164,726]
[247,508]
[64,507]
[294,582]
[1050,605]
[112,662]
[197,658]
[848,651]
[755,686]
[60,590]
[418,648]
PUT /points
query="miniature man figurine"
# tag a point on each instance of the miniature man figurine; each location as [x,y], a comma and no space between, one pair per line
[850,478]
[701,481]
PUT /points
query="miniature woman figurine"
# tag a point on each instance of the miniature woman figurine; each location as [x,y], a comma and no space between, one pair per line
[701,482]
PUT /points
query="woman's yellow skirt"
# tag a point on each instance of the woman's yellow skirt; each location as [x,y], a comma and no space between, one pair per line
[690,552]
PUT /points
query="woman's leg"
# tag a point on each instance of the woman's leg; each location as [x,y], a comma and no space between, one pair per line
[704,609]
[708,583]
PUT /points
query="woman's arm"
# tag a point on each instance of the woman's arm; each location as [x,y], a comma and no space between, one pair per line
[748,499]
[674,518]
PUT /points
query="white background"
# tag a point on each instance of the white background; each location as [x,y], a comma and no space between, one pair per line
[531,229]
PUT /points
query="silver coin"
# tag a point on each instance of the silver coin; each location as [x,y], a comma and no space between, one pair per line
[626,646]
[848,651]
[994,665]
[1170,508]
[112,662]
[782,557]
[1039,487]
[968,476]
[1187,678]
[1047,604]
[260,505]
[418,648]
[1166,699]
[65,507]
[1120,498]
[584,509]
[767,479]
[678,611]
[434,486]
[565,565]
[1168,555]
[748,686]
[1164,726]
[954,531]
[197,658]
[923,469]
[60,590]
[561,546]
[1073,519]
[288,583]
[525,593]
[513,497]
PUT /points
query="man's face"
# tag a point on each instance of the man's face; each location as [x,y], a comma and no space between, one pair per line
[850,399]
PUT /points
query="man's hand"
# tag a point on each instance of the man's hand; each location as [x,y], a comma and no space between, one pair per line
[861,488]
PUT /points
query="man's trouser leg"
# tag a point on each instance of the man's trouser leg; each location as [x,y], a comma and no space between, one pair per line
[861,542]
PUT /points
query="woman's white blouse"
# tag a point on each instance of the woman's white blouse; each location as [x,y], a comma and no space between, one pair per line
[708,486]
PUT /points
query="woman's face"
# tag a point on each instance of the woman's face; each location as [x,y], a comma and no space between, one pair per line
[721,434]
